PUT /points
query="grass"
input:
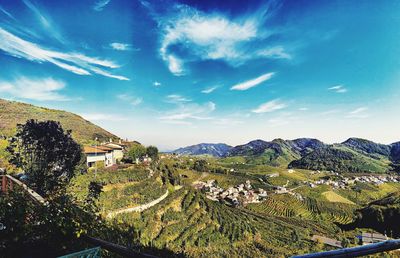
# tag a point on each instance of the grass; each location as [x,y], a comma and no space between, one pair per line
[334,197]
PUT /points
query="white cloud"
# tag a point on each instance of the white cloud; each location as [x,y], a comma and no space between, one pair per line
[130,99]
[304,109]
[270,106]
[338,89]
[157,84]
[253,82]
[99,5]
[186,113]
[120,46]
[74,62]
[46,89]
[175,98]
[212,36]
[358,113]
[274,52]
[103,117]
[209,90]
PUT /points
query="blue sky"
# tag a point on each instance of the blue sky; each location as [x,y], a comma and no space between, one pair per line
[173,73]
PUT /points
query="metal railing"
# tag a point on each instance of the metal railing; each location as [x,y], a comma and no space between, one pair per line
[88,253]
[357,251]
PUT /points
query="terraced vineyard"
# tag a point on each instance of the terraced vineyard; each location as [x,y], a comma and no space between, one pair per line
[285,205]
[188,223]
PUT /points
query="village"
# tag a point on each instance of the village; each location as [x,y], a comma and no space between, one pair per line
[241,194]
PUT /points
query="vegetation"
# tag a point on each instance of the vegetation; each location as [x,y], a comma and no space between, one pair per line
[152,152]
[340,159]
[136,151]
[46,154]
[83,131]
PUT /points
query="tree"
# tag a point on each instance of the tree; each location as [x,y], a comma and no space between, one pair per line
[152,152]
[46,153]
[200,165]
[136,152]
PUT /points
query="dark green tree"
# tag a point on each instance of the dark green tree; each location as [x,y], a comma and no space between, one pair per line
[152,152]
[46,153]
[200,165]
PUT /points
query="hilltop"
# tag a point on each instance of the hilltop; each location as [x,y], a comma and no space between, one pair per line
[213,149]
[13,113]
[352,155]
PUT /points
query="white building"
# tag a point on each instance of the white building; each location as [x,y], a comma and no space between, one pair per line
[99,154]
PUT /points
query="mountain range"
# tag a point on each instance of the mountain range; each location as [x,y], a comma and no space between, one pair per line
[352,155]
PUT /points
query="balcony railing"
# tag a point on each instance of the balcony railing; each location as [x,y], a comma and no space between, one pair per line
[380,247]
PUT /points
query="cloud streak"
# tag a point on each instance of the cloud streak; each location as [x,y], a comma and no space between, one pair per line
[73,62]
[338,89]
[270,106]
[130,99]
[187,113]
[209,90]
[358,113]
[100,5]
[253,82]
[46,89]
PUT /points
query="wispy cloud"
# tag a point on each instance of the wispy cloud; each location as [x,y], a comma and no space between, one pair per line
[103,117]
[360,112]
[99,5]
[45,89]
[45,21]
[253,82]
[274,52]
[130,99]
[338,89]
[157,84]
[270,106]
[187,113]
[175,98]
[6,13]
[74,62]
[121,46]
[304,109]
[214,36]
[209,90]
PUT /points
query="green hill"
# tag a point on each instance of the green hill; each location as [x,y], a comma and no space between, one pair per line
[340,158]
[382,215]
[13,113]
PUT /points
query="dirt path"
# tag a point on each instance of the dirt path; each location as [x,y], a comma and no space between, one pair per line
[139,208]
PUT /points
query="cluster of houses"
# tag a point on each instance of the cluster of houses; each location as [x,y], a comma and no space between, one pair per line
[238,195]
[343,182]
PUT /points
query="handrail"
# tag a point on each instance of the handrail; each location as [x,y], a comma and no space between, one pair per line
[357,251]
[32,194]
[121,250]
[115,248]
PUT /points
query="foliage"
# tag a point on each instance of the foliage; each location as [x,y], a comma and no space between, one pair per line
[46,154]
[200,165]
[83,131]
[152,152]
[339,159]
[136,151]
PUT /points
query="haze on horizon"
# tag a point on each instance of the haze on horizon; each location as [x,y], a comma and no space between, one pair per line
[177,73]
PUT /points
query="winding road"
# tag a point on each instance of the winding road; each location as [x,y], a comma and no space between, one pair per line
[139,208]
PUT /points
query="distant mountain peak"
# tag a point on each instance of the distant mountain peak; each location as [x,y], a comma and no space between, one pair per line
[213,149]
